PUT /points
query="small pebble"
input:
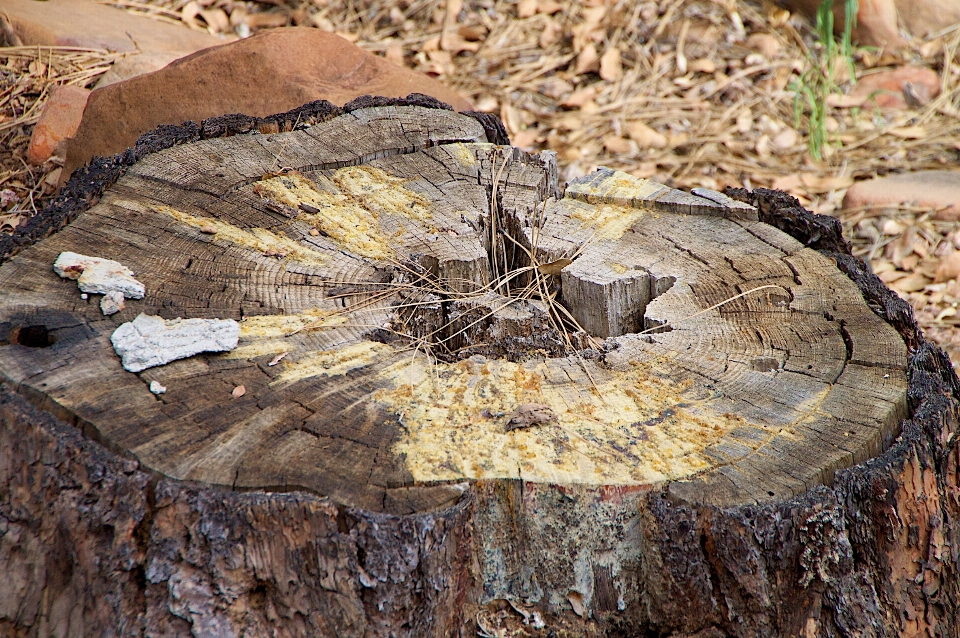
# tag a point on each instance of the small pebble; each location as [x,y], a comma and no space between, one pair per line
[785,139]
[314,232]
[156,388]
[208,230]
[84,296]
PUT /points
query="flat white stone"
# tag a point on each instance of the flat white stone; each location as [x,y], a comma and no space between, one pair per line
[150,341]
[157,388]
[112,303]
[97,275]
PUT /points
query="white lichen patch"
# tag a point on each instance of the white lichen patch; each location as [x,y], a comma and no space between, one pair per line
[633,428]
[97,275]
[150,341]
[269,334]
[333,362]
[258,239]
[351,216]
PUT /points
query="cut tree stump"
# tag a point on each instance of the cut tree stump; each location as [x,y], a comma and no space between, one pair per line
[464,401]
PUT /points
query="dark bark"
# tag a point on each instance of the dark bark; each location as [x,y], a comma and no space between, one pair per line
[91,545]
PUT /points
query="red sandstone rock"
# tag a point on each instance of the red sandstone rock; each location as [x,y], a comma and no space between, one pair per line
[876,20]
[59,121]
[938,190]
[271,72]
[134,65]
[150,44]
[85,23]
[907,86]
[880,22]
[924,17]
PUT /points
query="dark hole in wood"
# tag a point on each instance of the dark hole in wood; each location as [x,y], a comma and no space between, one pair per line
[31,336]
[454,329]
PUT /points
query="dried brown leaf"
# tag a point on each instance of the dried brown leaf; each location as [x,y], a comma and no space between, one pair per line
[554,267]
[909,132]
[579,98]
[824,183]
[611,67]
[588,60]
[526,8]
[645,137]
[620,146]
[216,19]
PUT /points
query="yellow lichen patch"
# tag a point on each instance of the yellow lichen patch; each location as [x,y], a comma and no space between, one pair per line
[354,228]
[258,239]
[381,193]
[618,268]
[350,216]
[333,362]
[633,428]
[616,187]
[611,222]
[266,334]
[462,153]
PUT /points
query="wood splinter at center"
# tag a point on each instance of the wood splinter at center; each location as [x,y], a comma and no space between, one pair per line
[423,308]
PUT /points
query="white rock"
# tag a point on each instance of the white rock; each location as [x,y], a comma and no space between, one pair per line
[150,341]
[112,303]
[156,388]
[97,275]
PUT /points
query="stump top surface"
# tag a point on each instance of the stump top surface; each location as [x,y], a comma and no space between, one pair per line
[349,249]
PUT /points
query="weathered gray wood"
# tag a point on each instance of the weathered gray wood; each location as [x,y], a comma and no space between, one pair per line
[568,375]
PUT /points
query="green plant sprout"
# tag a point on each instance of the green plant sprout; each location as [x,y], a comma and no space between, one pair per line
[817,81]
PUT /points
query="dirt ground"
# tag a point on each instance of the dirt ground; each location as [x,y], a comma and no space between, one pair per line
[685,92]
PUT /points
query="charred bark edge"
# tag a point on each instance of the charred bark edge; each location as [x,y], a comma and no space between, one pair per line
[825,235]
[87,184]
[832,561]
[130,551]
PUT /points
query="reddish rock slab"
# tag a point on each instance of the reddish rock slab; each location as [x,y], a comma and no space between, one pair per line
[900,88]
[925,17]
[134,65]
[59,121]
[938,190]
[876,20]
[84,23]
[271,72]
[884,22]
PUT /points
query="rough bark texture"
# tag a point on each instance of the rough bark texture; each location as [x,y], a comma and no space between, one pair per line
[90,545]
[93,543]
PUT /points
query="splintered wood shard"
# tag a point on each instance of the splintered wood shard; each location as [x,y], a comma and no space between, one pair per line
[473,366]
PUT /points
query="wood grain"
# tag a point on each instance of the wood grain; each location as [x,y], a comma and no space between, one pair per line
[750,438]
[773,391]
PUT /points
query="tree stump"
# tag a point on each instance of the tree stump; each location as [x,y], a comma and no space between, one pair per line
[463,401]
